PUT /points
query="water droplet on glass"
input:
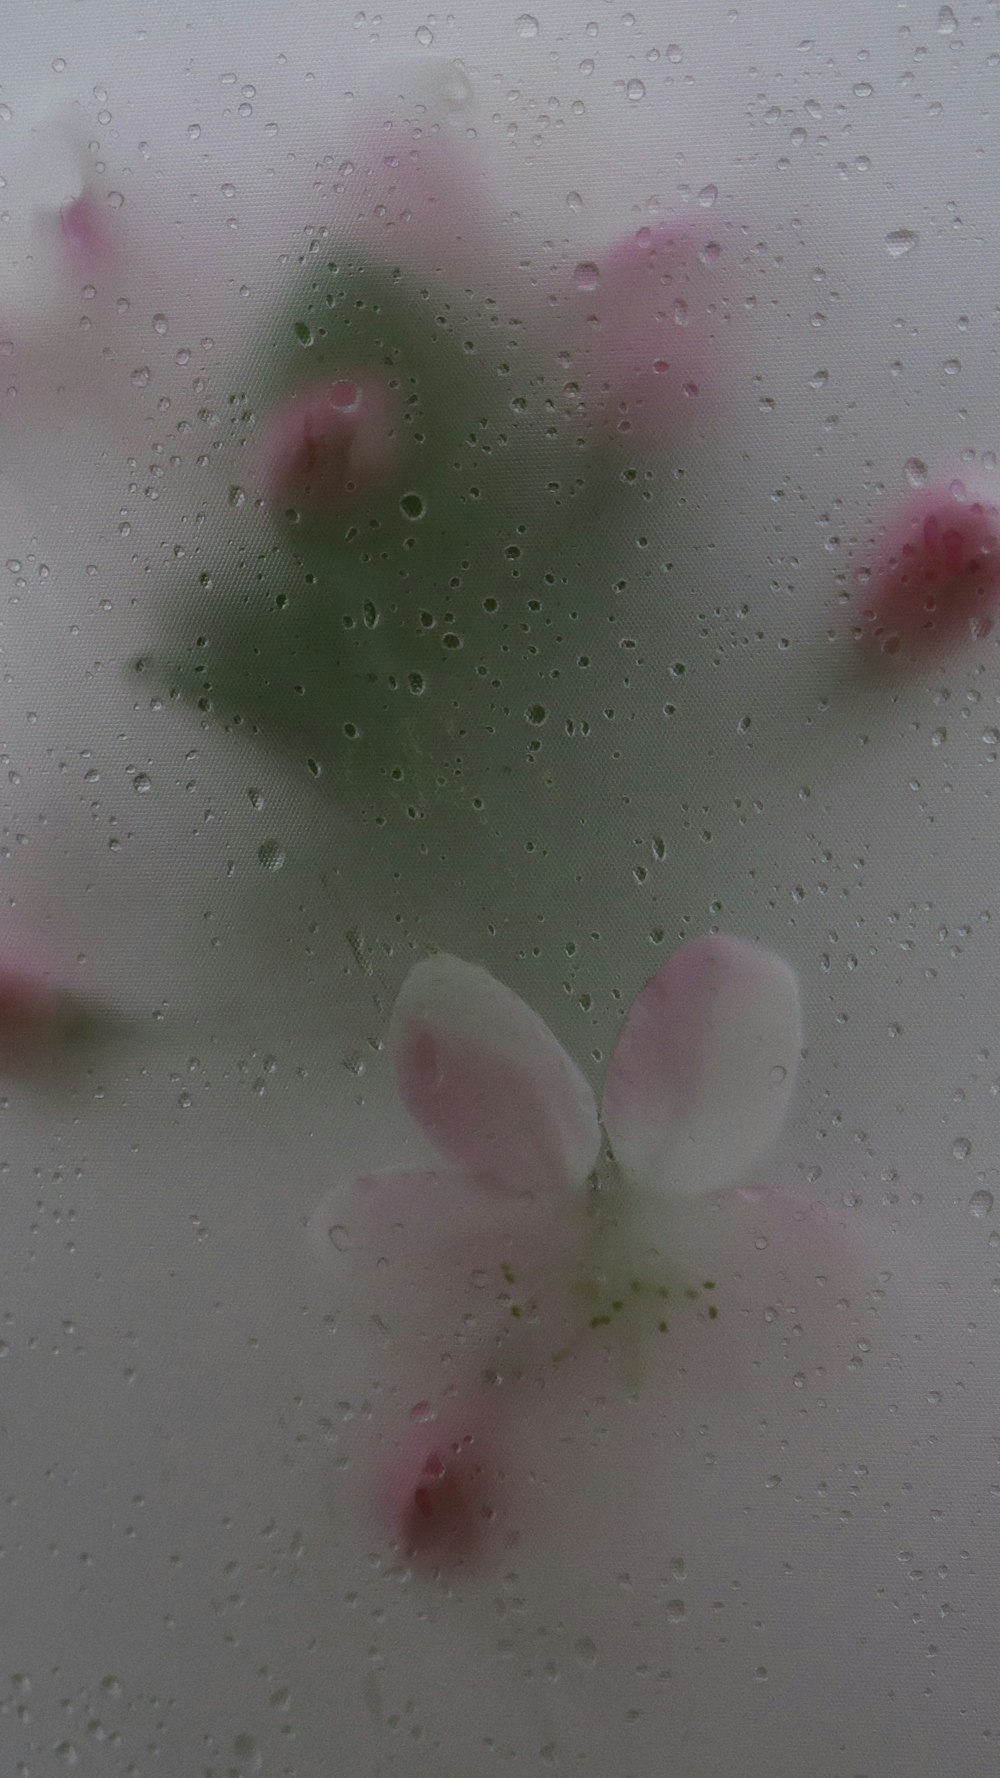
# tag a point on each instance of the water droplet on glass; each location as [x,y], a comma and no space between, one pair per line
[247,1754]
[586,276]
[961,1148]
[916,472]
[947,23]
[526,25]
[271,854]
[635,91]
[676,1611]
[980,1204]
[424,35]
[456,87]
[585,1649]
[142,783]
[900,241]
[412,506]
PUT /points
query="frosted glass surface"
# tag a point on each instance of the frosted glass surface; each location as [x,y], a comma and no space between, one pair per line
[778,1557]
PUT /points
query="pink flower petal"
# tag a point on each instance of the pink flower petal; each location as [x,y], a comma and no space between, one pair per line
[701,1076]
[421,202]
[647,320]
[934,571]
[331,442]
[487,1080]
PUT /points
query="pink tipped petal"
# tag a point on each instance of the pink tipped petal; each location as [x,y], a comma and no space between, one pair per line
[934,571]
[329,443]
[647,328]
[701,1076]
[487,1080]
[421,199]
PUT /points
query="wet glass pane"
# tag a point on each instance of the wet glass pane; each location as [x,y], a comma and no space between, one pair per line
[498,967]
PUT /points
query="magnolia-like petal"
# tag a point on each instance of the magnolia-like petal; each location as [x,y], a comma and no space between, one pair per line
[647,334]
[934,572]
[441,1483]
[700,1078]
[441,1258]
[330,441]
[489,1083]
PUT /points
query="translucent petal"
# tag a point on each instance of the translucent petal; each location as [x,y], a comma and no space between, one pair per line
[489,1083]
[701,1076]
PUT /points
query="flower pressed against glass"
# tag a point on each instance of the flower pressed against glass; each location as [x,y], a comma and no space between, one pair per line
[538,1241]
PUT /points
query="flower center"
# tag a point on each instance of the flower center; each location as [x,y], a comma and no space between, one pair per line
[622,1285]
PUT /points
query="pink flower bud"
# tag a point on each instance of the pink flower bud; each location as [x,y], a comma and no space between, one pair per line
[83,229]
[934,571]
[32,1012]
[330,442]
[441,1492]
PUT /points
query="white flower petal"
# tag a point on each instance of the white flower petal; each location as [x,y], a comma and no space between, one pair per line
[489,1083]
[700,1079]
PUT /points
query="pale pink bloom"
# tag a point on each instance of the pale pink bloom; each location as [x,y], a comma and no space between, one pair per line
[420,201]
[932,576]
[649,323]
[538,1247]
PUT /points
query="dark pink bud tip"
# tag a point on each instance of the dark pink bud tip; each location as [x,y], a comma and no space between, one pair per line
[440,1496]
[32,1013]
[934,571]
[328,443]
[85,232]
